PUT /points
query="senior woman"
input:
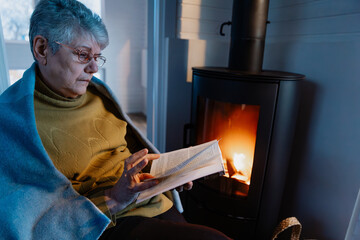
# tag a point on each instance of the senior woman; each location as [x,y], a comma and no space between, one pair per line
[73,165]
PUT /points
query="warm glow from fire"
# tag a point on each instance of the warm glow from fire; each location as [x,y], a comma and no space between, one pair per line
[243,168]
[236,126]
[239,161]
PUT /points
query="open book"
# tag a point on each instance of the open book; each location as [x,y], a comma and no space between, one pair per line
[178,167]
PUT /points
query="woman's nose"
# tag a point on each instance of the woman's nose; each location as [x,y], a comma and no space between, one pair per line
[92,67]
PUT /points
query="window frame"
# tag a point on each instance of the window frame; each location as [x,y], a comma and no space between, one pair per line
[19,56]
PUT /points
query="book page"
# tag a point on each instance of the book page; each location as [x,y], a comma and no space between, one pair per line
[171,162]
[205,159]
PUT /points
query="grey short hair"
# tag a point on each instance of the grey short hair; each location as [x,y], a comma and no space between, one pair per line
[64,21]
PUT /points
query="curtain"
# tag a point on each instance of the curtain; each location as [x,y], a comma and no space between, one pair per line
[4,71]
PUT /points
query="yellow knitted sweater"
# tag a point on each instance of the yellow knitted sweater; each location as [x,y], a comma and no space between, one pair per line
[86,142]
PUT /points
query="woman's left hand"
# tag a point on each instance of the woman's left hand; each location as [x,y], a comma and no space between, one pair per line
[186,186]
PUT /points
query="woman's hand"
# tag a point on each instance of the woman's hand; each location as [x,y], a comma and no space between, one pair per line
[186,186]
[130,184]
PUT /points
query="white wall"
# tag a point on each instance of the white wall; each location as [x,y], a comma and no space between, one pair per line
[182,56]
[199,21]
[126,21]
[321,39]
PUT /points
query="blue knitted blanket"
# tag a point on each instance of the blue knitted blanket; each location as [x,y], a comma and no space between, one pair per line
[36,200]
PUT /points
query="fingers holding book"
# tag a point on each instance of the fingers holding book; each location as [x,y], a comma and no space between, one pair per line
[132,170]
[186,186]
[131,182]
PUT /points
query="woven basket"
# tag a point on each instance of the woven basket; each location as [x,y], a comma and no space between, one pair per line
[285,224]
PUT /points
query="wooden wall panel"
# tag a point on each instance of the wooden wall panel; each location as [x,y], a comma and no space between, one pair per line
[198,19]
[313,19]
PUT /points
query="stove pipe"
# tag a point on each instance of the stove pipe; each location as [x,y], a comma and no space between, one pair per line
[248,29]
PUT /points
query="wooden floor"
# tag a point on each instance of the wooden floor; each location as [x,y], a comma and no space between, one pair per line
[139,120]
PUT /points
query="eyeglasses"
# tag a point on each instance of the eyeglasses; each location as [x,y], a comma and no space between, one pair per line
[85,56]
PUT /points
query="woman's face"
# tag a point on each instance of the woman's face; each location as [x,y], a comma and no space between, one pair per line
[65,74]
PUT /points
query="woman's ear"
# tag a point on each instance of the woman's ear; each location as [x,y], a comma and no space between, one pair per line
[40,49]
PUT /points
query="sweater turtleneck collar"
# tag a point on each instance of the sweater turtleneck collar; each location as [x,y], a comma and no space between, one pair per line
[44,92]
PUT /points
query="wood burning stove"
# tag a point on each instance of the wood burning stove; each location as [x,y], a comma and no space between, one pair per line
[253,112]
[254,116]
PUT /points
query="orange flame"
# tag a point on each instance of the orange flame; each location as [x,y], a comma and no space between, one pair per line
[243,168]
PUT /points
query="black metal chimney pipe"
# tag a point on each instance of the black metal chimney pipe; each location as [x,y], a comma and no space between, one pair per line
[248,29]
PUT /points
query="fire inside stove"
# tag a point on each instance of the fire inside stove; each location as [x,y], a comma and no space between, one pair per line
[235,125]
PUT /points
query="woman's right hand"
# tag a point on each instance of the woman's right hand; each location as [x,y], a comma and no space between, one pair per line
[130,184]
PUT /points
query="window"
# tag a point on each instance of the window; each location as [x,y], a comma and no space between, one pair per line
[15,18]
[95,6]
[15,74]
